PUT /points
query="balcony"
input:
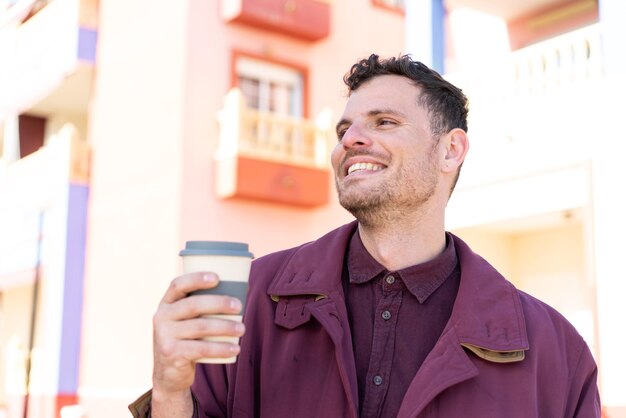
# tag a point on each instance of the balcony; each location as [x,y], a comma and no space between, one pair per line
[534,109]
[553,65]
[34,186]
[304,19]
[269,157]
[47,58]
[43,215]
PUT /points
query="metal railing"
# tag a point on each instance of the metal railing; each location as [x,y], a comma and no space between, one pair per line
[574,58]
[269,136]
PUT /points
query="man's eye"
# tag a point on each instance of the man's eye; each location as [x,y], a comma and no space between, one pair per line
[386,122]
[340,134]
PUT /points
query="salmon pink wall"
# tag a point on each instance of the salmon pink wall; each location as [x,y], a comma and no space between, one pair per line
[209,77]
[162,73]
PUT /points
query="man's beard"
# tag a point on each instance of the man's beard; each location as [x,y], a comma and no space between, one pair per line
[368,208]
[384,204]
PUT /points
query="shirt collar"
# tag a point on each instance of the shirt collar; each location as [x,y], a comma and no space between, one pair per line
[421,279]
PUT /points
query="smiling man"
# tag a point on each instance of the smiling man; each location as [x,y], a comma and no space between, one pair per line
[388,316]
[394,171]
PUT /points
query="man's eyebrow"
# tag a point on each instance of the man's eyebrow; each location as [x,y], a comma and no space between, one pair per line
[386,111]
[341,123]
[372,113]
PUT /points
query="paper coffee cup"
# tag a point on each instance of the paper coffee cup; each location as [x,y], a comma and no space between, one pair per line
[231,262]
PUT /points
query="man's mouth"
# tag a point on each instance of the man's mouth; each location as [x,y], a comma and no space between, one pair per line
[364,167]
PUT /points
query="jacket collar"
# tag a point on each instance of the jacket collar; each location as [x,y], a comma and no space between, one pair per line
[487,317]
[314,268]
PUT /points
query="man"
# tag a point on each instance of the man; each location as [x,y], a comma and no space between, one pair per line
[388,316]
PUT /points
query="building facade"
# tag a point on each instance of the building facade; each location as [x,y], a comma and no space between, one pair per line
[129,128]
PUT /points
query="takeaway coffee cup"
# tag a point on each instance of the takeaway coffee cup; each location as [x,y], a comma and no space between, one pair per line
[231,262]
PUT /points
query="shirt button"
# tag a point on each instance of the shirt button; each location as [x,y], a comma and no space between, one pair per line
[390,279]
[378,380]
[386,315]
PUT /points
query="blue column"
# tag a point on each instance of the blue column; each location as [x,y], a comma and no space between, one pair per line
[438,13]
[72,315]
[424,32]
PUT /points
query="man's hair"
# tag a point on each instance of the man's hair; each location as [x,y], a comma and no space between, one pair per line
[446,104]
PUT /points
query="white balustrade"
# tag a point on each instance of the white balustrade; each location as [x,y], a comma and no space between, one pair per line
[574,58]
[269,136]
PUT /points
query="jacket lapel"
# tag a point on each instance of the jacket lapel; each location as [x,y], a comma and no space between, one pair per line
[336,323]
[314,272]
[487,319]
[445,366]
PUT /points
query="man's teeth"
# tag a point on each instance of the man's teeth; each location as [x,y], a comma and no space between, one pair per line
[364,166]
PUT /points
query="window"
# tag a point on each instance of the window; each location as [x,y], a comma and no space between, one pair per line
[32,131]
[21,136]
[271,87]
[391,4]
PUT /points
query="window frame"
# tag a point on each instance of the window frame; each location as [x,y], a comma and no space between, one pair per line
[383,5]
[271,60]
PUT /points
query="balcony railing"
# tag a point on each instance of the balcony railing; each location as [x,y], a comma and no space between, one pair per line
[268,136]
[574,58]
[34,185]
[271,157]
[42,44]
[536,109]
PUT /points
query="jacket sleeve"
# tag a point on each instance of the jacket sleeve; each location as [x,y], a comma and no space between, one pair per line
[141,407]
[584,397]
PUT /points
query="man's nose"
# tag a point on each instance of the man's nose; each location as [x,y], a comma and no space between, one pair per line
[355,137]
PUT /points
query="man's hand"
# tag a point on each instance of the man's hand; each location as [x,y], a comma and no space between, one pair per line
[179,327]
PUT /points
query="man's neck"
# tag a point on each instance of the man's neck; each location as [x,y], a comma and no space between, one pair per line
[404,243]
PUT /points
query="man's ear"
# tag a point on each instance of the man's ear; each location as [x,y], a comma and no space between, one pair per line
[456,145]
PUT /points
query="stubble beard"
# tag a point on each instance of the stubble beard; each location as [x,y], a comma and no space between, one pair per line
[383,204]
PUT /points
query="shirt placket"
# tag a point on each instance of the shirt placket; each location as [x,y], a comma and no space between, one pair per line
[383,342]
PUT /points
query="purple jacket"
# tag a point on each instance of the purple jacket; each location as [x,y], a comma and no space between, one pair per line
[503,353]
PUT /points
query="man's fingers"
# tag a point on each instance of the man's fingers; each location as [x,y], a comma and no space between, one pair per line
[181,286]
[192,350]
[198,305]
[212,349]
[207,327]
[182,324]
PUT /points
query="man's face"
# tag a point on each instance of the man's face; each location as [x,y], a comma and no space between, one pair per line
[386,159]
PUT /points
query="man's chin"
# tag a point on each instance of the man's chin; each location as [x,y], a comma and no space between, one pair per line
[359,207]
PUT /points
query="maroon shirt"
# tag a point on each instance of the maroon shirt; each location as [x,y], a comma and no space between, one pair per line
[396,318]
